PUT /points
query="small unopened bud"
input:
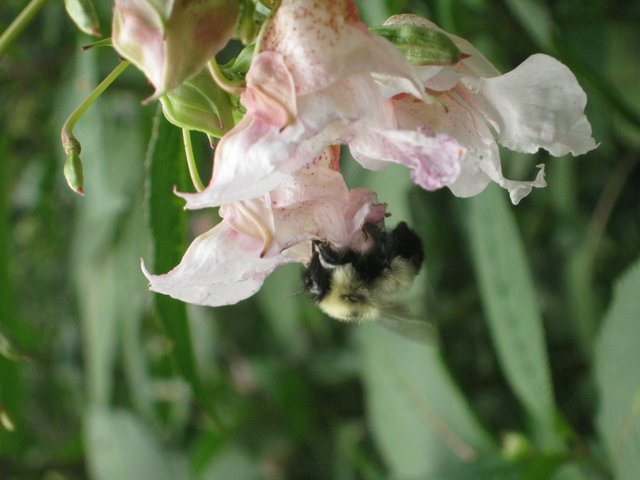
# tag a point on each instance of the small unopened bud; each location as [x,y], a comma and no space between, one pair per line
[84,15]
[199,104]
[73,172]
[171,40]
[422,46]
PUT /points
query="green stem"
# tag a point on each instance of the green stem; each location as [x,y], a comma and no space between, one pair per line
[92,97]
[191,160]
[21,21]
[70,144]
[229,86]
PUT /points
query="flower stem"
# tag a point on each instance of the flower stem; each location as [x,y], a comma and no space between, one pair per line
[230,86]
[21,21]
[70,144]
[191,160]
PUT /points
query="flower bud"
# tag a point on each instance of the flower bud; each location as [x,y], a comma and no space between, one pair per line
[421,45]
[84,15]
[198,104]
[170,41]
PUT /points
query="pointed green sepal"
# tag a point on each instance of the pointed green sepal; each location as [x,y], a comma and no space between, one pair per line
[422,46]
[199,104]
[247,23]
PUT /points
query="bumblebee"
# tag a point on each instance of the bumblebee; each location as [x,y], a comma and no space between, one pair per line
[355,286]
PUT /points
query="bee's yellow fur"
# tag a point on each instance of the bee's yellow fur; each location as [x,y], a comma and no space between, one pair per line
[350,299]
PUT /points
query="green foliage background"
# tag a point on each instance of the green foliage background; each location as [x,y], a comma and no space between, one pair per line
[535,372]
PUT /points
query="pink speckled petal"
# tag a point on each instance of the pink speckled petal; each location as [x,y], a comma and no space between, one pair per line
[270,93]
[325,42]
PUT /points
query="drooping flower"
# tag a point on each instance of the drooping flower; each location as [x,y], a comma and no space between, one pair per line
[321,78]
[171,40]
[231,261]
[537,105]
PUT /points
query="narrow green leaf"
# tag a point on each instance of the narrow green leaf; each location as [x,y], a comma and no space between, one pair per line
[166,167]
[282,312]
[536,19]
[420,420]
[511,307]
[232,462]
[119,445]
[8,350]
[12,391]
[617,362]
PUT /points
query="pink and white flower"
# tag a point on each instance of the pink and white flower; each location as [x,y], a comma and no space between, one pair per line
[231,261]
[537,105]
[321,78]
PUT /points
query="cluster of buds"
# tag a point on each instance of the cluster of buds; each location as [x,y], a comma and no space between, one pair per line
[316,78]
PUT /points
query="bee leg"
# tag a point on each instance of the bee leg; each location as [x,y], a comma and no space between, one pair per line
[375,232]
[316,278]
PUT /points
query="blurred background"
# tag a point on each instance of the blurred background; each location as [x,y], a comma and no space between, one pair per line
[101,379]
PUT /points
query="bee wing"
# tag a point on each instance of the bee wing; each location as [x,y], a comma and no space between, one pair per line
[411,328]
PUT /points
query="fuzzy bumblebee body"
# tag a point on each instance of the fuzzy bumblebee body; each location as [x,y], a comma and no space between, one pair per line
[359,286]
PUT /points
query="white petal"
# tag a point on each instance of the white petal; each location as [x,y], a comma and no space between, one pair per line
[221,267]
[539,105]
[249,162]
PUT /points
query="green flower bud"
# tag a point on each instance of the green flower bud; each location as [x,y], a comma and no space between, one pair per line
[73,173]
[198,104]
[170,41]
[422,46]
[84,15]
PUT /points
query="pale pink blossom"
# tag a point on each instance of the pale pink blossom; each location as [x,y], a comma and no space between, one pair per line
[537,105]
[231,261]
[320,78]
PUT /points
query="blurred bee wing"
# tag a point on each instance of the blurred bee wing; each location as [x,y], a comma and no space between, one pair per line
[414,329]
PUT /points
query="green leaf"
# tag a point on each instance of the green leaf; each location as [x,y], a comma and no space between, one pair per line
[232,462]
[511,307]
[617,359]
[420,45]
[84,15]
[119,445]
[166,167]
[283,312]
[419,419]
[536,19]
